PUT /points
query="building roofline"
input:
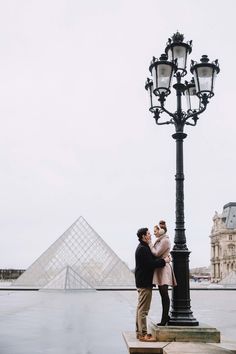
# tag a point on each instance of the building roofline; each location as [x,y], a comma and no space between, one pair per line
[230,204]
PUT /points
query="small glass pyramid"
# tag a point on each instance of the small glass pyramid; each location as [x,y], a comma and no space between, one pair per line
[83,253]
[230,279]
[67,278]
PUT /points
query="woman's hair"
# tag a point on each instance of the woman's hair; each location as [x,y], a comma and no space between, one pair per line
[161,231]
[162,225]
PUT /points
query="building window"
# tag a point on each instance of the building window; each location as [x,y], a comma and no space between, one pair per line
[230,237]
[231,250]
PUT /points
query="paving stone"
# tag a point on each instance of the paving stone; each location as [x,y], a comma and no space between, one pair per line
[194,348]
[135,346]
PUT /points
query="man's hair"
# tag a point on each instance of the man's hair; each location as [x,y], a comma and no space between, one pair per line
[142,232]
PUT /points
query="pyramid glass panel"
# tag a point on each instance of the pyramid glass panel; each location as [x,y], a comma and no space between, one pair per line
[86,254]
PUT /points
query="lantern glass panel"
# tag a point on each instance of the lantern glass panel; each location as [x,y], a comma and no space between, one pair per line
[203,78]
[193,102]
[213,80]
[178,52]
[164,76]
[154,77]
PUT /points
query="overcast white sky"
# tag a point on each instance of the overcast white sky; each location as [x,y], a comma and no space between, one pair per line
[76,135]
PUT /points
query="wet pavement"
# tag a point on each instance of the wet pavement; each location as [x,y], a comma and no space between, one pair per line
[63,322]
[91,322]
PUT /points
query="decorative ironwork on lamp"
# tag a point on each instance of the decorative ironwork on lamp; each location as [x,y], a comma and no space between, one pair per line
[197,91]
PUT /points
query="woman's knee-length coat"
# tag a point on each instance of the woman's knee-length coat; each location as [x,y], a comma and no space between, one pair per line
[165,275]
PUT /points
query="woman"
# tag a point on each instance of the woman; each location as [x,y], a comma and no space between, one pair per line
[163,277]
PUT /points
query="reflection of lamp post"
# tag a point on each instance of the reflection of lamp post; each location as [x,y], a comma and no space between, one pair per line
[197,91]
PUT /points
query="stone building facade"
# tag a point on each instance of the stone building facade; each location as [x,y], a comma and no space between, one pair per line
[223,243]
[10,274]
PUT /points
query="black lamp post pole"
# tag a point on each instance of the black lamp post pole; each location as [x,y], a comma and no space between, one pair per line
[181,313]
[198,92]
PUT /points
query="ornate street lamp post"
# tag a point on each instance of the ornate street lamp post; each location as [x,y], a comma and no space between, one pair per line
[198,92]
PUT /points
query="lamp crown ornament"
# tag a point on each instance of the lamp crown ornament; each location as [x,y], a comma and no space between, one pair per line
[204,59]
[163,56]
[154,60]
[177,37]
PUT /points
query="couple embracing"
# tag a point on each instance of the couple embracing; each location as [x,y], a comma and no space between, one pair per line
[152,267]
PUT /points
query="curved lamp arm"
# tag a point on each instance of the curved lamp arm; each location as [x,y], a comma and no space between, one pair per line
[157,116]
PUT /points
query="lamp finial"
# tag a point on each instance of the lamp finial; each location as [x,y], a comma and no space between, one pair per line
[177,37]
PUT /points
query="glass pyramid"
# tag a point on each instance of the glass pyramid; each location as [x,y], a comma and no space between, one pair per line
[230,279]
[87,255]
[67,279]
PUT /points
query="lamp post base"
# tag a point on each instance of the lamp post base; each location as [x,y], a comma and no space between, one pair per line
[203,333]
[181,314]
[178,321]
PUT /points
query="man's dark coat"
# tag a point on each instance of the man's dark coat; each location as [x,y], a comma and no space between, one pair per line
[145,263]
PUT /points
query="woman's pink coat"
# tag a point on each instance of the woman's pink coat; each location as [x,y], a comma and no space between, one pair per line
[165,275]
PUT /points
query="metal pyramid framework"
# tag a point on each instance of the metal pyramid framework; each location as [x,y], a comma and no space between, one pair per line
[67,279]
[80,253]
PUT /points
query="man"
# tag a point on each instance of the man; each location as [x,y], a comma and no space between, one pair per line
[145,263]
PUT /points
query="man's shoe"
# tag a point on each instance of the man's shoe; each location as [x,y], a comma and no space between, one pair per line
[143,335]
[147,338]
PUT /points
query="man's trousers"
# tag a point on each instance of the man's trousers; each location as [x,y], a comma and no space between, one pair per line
[144,302]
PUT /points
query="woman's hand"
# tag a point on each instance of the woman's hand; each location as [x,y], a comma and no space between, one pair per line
[168,259]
